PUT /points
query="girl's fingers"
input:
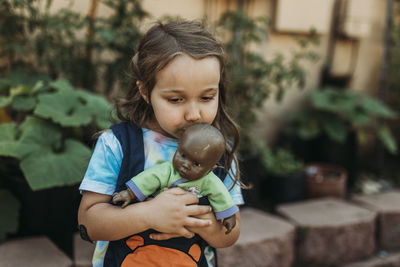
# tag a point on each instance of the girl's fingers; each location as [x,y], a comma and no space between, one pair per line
[184,196]
[196,210]
[175,191]
[164,236]
[195,222]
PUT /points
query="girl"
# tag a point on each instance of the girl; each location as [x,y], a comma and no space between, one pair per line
[178,79]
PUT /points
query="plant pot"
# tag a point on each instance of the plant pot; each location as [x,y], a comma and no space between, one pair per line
[325,180]
[51,212]
[284,189]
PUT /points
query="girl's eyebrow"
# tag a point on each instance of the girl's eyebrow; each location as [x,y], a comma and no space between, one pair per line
[180,91]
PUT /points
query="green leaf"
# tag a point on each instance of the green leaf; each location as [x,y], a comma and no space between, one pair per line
[46,168]
[25,103]
[386,137]
[99,107]
[337,130]
[63,107]
[9,210]
[376,107]
[333,100]
[8,140]
[61,85]
[20,90]
[37,133]
[5,101]
[309,130]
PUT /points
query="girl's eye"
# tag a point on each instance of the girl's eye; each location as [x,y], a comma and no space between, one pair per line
[175,100]
[207,98]
[183,155]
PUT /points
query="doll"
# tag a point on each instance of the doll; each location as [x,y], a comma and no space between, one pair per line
[200,148]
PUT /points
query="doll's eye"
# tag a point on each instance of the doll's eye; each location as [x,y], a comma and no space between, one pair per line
[183,155]
[196,164]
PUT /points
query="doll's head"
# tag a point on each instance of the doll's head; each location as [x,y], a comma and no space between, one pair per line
[200,148]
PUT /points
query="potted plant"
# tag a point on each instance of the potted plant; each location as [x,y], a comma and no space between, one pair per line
[285,176]
[336,123]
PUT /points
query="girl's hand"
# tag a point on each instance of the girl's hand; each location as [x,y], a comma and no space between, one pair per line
[172,211]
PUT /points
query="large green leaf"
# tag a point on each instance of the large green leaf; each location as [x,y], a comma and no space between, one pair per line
[63,107]
[61,85]
[9,210]
[98,106]
[8,142]
[386,136]
[376,107]
[337,129]
[46,168]
[25,103]
[5,101]
[36,134]
[333,100]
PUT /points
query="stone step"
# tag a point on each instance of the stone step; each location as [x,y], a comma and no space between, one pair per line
[265,240]
[83,252]
[331,231]
[387,205]
[32,252]
[383,259]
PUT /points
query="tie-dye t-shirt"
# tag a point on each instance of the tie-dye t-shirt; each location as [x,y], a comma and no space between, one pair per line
[102,173]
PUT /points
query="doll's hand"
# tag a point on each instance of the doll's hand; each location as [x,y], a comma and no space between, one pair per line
[229,223]
[122,196]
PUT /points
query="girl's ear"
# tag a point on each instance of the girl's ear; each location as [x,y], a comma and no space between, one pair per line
[142,91]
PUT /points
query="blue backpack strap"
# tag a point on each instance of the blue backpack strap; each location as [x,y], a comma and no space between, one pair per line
[131,139]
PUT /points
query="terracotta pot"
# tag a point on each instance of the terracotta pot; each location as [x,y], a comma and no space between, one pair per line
[325,180]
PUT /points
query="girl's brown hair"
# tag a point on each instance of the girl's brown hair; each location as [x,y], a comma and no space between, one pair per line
[157,48]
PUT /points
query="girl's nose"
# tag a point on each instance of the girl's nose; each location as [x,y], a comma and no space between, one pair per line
[192,113]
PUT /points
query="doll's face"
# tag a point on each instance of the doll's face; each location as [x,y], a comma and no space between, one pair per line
[197,154]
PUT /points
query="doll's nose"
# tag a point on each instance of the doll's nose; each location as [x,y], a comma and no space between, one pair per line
[185,164]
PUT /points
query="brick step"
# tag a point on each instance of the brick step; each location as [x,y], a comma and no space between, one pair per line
[32,252]
[331,231]
[381,259]
[387,206]
[265,240]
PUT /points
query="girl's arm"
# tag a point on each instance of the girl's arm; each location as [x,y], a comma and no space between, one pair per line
[214,234]
[169,212]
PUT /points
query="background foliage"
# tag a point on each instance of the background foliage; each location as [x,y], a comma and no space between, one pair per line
[59,68]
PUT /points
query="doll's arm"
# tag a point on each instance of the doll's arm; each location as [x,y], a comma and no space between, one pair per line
[125,196]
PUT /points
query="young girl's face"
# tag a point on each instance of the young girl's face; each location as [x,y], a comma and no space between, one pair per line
[186,92]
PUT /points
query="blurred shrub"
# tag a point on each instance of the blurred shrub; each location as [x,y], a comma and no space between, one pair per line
[336,112]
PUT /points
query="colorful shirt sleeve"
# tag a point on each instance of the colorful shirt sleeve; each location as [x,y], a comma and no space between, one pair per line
[150,180]
[102,173]
[235,191]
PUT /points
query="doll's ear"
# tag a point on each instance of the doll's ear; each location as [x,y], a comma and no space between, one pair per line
[142,91]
